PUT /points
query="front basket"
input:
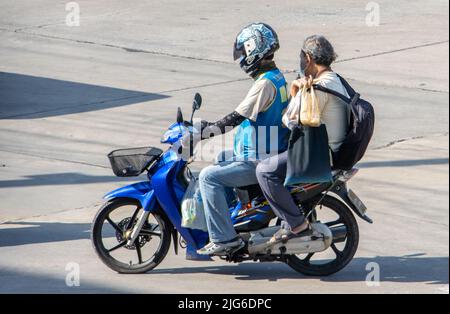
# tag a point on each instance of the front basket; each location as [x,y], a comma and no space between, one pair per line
[131,162]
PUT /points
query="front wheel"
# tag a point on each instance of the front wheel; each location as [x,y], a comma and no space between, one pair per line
[111,229]
[337,216]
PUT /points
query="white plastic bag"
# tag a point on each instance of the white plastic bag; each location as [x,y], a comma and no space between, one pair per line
[192,211]
[310,109]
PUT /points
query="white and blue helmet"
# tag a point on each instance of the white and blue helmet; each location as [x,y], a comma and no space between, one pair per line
[253,44]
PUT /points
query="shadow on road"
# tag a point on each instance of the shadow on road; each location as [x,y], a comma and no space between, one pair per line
[66,178]
[24,282]
[404,163]
[22,233]
[410,268]
[32,97]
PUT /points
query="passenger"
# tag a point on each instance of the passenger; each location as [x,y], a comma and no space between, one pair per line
[316,58]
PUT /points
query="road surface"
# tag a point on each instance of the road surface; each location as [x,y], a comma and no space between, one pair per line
[71,94]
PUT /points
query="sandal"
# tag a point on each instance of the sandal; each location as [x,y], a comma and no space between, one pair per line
[284,235]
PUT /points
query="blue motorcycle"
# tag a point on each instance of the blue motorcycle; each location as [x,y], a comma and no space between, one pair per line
[133,230]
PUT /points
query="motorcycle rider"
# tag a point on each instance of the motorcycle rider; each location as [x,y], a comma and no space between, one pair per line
[256,117]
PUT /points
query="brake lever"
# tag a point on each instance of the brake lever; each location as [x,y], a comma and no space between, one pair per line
[187,124]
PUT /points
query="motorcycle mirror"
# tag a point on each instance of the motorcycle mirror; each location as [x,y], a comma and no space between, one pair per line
[197,102]
[180,118]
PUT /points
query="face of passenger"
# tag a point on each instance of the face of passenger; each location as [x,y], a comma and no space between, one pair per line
[305,63]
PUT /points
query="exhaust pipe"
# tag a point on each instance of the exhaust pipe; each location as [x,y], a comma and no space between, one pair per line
[339,233]
[318,241]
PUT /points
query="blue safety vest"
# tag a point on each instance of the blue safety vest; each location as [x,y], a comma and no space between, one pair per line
[265,137]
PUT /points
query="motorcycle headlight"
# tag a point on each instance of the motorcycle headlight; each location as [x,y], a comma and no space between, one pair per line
[165,138]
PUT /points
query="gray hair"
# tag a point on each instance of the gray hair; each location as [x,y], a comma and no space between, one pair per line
[319,49]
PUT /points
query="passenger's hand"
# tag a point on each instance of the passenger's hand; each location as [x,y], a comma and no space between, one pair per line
[299,83]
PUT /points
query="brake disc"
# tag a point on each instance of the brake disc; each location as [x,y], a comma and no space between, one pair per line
[141,239]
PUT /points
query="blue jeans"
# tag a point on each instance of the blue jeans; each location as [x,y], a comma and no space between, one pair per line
[215,183]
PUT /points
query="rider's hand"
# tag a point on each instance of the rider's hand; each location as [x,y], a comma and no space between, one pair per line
[186,140]
[191,135]
[183,146]
[299,83]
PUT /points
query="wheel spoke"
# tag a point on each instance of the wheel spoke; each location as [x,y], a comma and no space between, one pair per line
[138,251]
[308,257]
[155,226]
[336,250]
[114,225]
[150,233]
[117,246]
[334,223]
[133,218]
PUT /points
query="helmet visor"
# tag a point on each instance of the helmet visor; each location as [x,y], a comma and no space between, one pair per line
[238,52]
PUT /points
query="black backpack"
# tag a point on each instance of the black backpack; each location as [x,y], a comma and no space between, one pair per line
[361,127]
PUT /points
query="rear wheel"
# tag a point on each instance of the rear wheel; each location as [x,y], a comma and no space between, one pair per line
[337,216]
[110,231]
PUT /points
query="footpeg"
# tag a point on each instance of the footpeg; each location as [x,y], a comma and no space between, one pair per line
[231,251]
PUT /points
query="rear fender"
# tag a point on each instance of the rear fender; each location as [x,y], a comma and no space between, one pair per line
[342,191]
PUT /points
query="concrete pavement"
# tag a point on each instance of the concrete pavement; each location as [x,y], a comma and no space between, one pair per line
[407,196]
[69,95]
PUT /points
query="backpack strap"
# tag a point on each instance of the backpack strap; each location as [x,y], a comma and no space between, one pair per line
[354,96]
[332,92]
[350,91]
[349,101]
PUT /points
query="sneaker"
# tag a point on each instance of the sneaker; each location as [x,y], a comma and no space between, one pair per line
[192,255]
[218,248]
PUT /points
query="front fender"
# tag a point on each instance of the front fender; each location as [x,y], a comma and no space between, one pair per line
[141,191]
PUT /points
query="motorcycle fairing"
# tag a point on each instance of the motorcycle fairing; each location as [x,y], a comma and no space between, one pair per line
[141,191]
[173,134]
[169,193]
[251,218]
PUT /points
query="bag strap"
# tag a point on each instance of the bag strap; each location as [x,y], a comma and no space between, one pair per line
[349,101]
[299,122]
[347,86]
[350,91]
[332,92]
